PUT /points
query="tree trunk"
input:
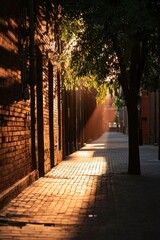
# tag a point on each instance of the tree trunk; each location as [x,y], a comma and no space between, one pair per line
[130,82]
[134,158]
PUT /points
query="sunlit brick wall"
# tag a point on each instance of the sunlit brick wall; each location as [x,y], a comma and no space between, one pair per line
[15,112]
[15,143]
[15,135]
[47,165]
[46,42]
[55,112]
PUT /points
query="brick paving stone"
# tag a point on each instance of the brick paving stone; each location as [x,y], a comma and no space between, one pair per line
[90,196]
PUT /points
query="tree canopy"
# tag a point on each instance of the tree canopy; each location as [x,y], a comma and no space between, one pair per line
[113,43]
[104,36]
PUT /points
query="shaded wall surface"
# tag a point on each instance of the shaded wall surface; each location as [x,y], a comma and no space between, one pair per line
[153,117]
[148,117]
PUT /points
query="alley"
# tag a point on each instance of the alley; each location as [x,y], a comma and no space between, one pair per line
[90,196]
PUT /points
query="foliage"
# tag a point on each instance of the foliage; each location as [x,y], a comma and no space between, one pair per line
[85,60]
[108,35]
[118,45]
[118,103]
[151,77]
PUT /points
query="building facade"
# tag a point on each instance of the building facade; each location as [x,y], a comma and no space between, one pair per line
[30,106]
[149,118]
[40,122]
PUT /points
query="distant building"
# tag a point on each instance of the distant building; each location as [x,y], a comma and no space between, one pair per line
[148,118]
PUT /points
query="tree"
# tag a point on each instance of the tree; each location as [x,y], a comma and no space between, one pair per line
[112,44]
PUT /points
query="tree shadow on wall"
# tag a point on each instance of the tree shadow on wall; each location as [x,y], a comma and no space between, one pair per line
[9,93]
[11,86]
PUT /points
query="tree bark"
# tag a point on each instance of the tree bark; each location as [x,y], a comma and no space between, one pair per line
[134,158]
[130,85]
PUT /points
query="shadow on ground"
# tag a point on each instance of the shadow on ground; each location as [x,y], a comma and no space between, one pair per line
[125,207]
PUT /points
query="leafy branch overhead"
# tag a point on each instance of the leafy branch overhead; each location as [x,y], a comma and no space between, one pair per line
[107,41]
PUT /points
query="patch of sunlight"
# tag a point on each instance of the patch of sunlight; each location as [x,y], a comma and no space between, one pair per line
[84,153]
[96,146]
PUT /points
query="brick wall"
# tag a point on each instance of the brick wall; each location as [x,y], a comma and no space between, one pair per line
[47,165]
[15,143]
[16,160]
[15,135]
[10,73]
[50,110]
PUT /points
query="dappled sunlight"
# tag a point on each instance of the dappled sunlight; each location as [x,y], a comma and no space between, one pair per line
[95,146]
[84,153]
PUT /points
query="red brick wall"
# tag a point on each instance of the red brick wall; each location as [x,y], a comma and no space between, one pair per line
[57,118]
[47,165]
[15,143]
[15,113]
[10,72]
[52,141]
[15,136]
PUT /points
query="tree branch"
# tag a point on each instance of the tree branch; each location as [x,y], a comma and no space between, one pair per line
[123,80]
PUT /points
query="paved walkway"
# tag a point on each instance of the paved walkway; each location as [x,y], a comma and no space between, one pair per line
[90,197]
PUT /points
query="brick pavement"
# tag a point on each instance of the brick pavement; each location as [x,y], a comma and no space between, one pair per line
[90,196]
